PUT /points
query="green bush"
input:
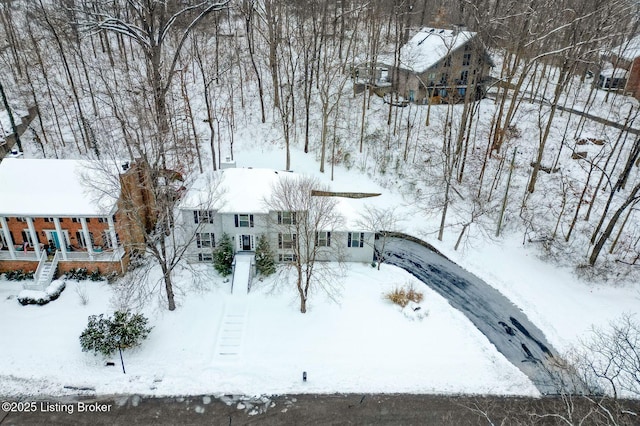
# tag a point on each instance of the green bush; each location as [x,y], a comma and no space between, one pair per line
[18,275]
[106,335]
[265,262]
[223,256]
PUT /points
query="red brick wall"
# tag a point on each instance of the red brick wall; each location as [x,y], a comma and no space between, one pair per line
[103,267]
[13,265]
[95,227]
[633,82]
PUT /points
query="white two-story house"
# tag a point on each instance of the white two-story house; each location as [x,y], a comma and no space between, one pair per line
[233,202]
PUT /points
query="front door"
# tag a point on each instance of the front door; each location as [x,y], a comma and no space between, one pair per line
[57,239]
[246,242]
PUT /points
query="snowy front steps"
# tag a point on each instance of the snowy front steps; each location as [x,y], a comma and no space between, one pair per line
[242,267]
[231,332]
[43,279]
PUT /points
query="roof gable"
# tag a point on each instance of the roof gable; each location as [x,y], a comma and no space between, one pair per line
[430,45]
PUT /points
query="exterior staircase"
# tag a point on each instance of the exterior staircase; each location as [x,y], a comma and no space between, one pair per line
[44,274]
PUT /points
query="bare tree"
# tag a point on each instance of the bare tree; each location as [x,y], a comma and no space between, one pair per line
[307,226]
[384,222]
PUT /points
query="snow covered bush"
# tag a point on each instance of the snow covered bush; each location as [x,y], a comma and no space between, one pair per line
[223,256]
[265,262]
[106,335]
[403,295]
[38,297]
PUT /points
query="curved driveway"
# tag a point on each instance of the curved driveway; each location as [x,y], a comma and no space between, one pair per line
[505,325]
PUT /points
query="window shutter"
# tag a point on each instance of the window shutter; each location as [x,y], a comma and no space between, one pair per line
[252,245]
[195,216]
[213,240]
[251,221]
[328,239]
[279,218]
[316,244]
[235,216]
[349,239]
[279,240]
[198,241]
[361,239]
[293,218]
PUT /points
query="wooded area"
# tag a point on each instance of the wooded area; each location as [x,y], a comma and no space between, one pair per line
[174,83]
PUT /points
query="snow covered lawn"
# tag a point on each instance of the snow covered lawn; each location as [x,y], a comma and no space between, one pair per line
[362,344]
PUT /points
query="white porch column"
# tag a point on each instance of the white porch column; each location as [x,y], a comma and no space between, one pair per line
[34,237]
[7,237]
[112,232]
[61,239]
[87,237]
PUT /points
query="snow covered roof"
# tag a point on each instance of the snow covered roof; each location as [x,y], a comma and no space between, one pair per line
[428,47]
[611,72]
[628,50]
[54,188]
[243,190]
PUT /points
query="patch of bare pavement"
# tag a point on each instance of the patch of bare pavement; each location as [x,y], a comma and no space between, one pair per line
[308,409]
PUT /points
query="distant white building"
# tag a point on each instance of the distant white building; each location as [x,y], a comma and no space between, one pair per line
[241,212]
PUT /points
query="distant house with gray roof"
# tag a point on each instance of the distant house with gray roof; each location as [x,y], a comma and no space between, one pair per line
[441,65]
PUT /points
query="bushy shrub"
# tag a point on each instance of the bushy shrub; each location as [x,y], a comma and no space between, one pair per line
[265,263]
[82,274]
[105,335]
[223,256]
[37,297]
[79,274]
[403,295]
[18,275]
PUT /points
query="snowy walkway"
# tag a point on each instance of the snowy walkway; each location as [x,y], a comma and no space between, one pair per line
[234,319]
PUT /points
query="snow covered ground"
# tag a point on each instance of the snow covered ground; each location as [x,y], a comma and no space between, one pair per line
[361,344]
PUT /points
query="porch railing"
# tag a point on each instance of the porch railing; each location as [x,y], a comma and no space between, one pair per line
[41,263]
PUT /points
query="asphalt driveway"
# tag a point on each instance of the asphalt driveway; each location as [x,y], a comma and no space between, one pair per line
[504,324]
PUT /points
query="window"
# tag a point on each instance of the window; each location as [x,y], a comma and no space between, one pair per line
[203,216]
[447,61]
[106,239]
[464,76]
[412,95]
[244,220]
[81,240]
[466,59]
[26,236]
[286,241]
[73,219]
[355,239]
[102,219]
[323,239]
[205,257]
[286,218]
[287,257]
[467,47]
[21,219]
[444,77]
[3,241]
[205,240]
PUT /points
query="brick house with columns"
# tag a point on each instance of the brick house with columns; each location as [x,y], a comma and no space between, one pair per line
[69,207]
